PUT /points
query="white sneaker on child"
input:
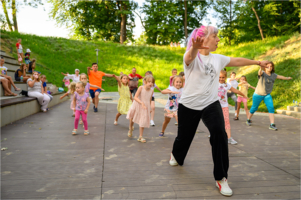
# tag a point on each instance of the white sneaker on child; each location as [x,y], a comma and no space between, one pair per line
[152,123]
[231,141]
[223,187]
[172,161]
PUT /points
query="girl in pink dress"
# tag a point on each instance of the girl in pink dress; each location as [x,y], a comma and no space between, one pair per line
[140,110]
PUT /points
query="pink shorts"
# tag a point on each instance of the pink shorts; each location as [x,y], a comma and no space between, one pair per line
[170,114]
[226,117]
[242,99]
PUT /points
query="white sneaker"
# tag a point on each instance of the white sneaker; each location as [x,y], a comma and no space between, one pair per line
[231,141]
[176,123]
[152,123]
[223,187]
[172,161]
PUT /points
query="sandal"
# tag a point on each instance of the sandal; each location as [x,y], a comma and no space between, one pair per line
[74,132]
[18,89]
[141,139]
[130,133]
[86,132]
[161,134]
[115,122]
[236,118]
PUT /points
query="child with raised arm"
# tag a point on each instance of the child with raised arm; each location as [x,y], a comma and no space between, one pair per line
[223,99]
[243,87]
[171,108]
[81,103]
[152,123]
[267,77]
[71,91]
[233,82]
[174,73]
[125,100]
[141,107]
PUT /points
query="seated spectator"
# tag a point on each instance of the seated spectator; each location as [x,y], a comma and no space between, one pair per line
[6,86]
[3,73]
[32,66]
[21,72]
[27,58]
[43,79]
[35,89]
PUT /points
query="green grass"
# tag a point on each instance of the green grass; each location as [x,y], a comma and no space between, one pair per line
[56,55]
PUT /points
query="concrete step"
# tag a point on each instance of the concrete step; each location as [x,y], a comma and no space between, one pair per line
[9,59]
[22,86]
[294,108]
[289,113]
[12,66]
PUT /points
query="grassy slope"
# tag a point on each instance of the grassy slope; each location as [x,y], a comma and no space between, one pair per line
[56,55]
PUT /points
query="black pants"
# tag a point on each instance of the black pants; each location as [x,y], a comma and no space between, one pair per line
[133,91]
[213,119]
[233,96]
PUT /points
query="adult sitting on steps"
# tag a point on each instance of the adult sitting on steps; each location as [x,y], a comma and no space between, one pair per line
[3,73]
[35,89]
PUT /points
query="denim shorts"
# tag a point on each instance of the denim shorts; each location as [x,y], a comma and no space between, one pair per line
[92,93]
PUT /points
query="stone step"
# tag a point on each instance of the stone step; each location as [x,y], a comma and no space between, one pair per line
[12,66]
[289,113]
[22,86]
[294,108]
[9,59]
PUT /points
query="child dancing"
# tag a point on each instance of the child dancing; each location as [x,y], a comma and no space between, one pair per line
[263,90]
[174,73]
[243,87]
[81,103]
[126,99]
[171,107]
[71,91]
[223,99]
[152,123]
[141,107]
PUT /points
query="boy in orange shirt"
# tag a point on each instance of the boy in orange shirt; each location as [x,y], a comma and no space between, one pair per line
[95,78]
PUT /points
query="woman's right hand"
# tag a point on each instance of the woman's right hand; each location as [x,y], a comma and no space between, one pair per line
[143,106]
[198,43]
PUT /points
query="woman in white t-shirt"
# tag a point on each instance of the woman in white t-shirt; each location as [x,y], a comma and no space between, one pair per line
[73,77]
[199,100]
[233,82]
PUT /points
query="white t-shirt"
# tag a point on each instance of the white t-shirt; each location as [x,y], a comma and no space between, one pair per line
[222,94]
[201,80]
[172,103]
[234,83]
[73,77]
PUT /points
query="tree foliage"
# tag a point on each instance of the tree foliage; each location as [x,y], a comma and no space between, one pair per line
[95,19]
[164,20]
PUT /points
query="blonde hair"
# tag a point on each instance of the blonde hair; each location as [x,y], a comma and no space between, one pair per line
[39,78]
[81,83]
[71,87]
[83,74]
[146,78]
[121,76]
[180,77]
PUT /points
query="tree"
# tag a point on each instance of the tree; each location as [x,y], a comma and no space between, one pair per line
[106,20]
[227,12]
[165,21]
[8,22]
[15,6]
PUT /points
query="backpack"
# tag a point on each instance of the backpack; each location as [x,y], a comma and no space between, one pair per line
[24,92]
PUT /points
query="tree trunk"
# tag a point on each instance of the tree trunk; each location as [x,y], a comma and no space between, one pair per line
[230,23]
[123,23]
[6,15]
[258,23]
[185,19]
[14,13]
